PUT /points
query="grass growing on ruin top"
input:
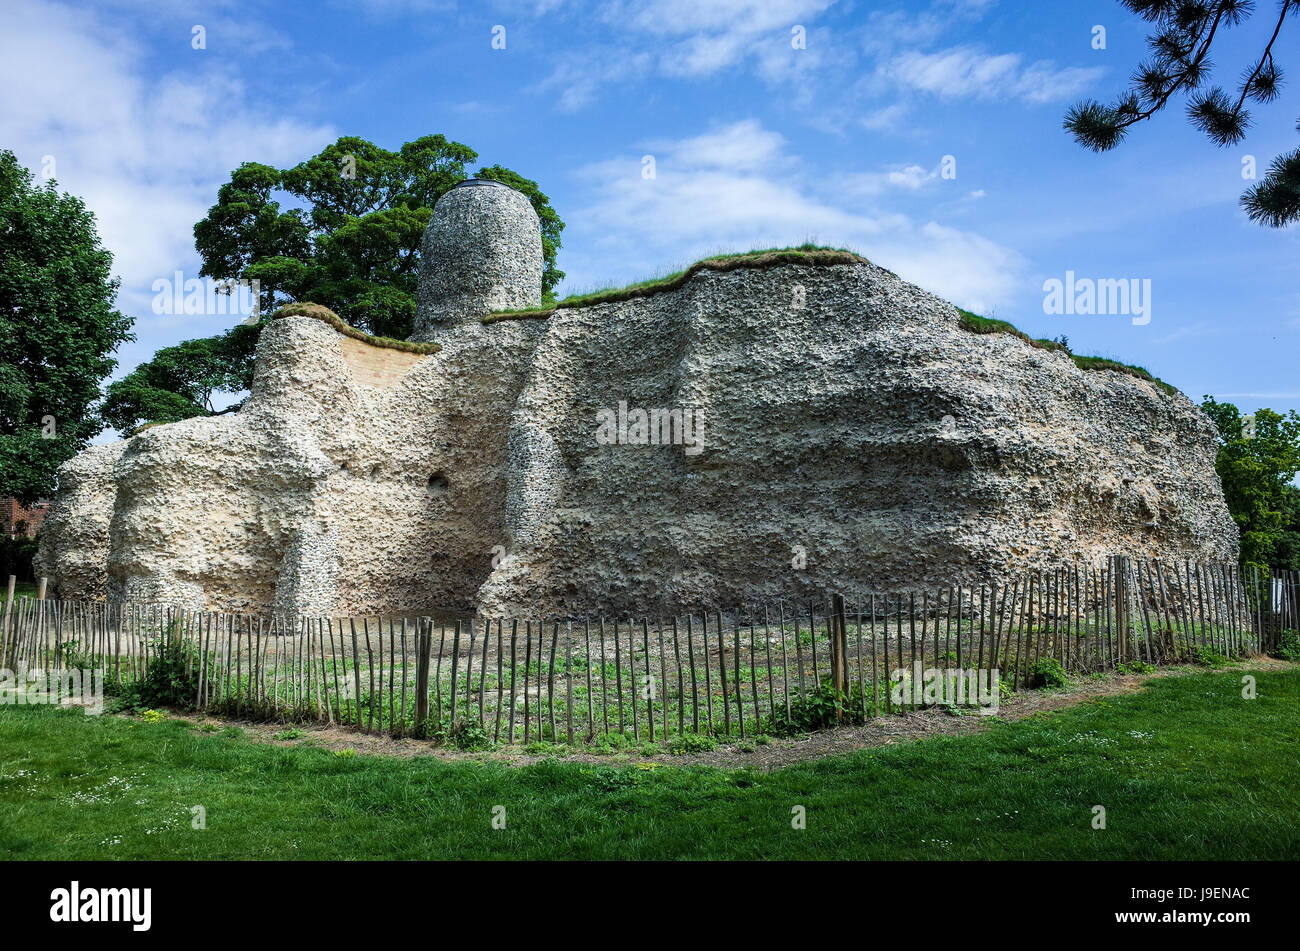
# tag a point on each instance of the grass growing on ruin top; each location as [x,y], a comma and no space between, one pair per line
[987,325]
[806,254]
[327,316]
[766,257]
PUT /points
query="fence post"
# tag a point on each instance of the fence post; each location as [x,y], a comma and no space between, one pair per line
[1122,588]
[839,651]
[40,594]
[423,646]
[4,634]
[1291,596]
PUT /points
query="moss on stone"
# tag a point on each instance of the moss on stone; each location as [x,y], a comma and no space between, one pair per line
[143,426]
[985,325]
[807,254]
[327,316]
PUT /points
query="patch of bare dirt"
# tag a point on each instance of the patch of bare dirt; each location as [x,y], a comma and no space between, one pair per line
[777,752]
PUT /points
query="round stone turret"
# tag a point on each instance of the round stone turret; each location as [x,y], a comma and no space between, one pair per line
[482,252]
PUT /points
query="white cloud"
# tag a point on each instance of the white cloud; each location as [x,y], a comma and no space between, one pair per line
[737,187]
[900,178]
[389,8]
[961,266]
[890,30]
[743,146]
[579,79]
[885,120]
[966,72]
[887,31]
[228,27]
[716,18]
[913,177]
[689,39]
[146,154]
[1187,332]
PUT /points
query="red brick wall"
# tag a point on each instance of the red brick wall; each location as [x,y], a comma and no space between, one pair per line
[18,519]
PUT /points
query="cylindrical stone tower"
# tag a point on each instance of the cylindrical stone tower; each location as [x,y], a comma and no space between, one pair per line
[481,252]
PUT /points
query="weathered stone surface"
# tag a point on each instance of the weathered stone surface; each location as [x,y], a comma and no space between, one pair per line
[849,435]
[866,429]
[73,551]
[482,252]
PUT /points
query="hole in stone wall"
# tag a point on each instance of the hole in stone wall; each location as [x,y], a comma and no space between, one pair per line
[437,484]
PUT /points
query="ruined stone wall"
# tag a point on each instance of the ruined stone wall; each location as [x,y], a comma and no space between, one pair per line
[845,416]
[356,479]
[73,552]
[849,422]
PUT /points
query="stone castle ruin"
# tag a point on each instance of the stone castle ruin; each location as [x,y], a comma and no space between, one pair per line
[763,426]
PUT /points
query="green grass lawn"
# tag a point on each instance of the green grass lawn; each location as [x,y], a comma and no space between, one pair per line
[1186,769]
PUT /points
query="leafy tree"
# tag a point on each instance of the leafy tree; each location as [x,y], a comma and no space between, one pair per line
[352,242]
[1287,556]
[59,328]
[16,556]
[1180,65]
[1257,460]
[180,381]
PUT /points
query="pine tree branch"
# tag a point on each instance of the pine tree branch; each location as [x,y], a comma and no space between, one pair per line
[1266,58]
[1189,70]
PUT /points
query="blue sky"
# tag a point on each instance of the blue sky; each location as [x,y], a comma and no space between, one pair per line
[755,143]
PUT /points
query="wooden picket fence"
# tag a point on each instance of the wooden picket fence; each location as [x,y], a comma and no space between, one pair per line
[481,680]
[1278,606]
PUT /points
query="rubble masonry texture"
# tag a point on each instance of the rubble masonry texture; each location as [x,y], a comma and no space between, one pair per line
[846,415]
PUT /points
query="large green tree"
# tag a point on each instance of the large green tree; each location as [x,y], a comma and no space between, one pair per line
[341,229]
[1258,458]
[1287,555]
[58,327]
[349,234]
[182,381]
[1180,66]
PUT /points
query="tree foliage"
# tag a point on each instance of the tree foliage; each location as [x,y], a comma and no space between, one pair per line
[347,237]
[16,556]
[180,382]
[1180,65]
[1257,460]
[1287,555]
[59,327]
[351,239]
